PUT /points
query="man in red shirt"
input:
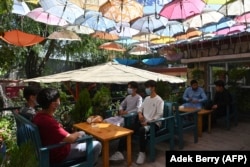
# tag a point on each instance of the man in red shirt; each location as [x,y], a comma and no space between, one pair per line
[52,132]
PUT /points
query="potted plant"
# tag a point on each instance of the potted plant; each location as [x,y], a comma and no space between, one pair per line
[220,75]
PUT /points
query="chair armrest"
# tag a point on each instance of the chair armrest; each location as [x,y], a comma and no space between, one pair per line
[160,120]
[131,114]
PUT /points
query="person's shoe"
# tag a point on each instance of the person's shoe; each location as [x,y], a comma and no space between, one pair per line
[117,156]
[141,158]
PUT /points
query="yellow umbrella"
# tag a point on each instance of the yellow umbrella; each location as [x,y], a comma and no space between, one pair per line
[32,1]
[162,40]
[145,36]
[89,4]
[218,2]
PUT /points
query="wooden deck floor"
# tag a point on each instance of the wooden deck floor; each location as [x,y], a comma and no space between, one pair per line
[237,138]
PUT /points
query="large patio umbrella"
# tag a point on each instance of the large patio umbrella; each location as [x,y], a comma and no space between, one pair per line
[107,73]
[122,10]
[19,38]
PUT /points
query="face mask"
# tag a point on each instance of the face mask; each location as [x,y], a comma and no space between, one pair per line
[148,91]
[130,91]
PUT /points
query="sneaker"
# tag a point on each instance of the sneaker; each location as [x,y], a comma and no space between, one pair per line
[141,158]
[117,156]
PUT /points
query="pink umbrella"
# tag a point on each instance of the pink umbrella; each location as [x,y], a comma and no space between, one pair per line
[231,30]
[181,9]
[244,18]
[40,15]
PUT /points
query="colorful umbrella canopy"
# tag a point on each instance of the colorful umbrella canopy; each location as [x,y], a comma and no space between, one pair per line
[20,7]
[191,32]
[127,41]
[140,50]
[96,21]
[112,46]
[234,8]
[63,9]
[162,40]
[149,23]
[219,2]
[146,37]
[80,29]
[123,30]
[39,15]
[231,30]
[203,18]
[19,38]
[122,10]
[171,28]
[64,35]
[181,9]
[104,35]
[89,4]
[244,18]
[154,61]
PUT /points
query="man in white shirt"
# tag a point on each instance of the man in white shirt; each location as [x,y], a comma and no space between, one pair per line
[131,103]
[151,109]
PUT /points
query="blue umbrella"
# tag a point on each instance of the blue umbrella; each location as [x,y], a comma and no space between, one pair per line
[223,23]
[154,61]
[125,61]
[96,21]
[152,6]
[171,28]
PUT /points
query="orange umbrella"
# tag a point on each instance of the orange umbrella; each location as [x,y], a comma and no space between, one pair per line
[122,10]
[112,46]
[104,35]
[191,32]
[19,38]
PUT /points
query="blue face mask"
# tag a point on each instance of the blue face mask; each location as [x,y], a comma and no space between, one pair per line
[148,91]
[130,91]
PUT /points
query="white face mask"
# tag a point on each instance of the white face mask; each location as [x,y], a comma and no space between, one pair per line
[130,91]
[148,91]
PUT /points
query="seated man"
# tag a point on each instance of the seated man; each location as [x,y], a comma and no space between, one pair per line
[151,109]
[194,96]
[130,104]
[29,93]
[51,131]
[222,99]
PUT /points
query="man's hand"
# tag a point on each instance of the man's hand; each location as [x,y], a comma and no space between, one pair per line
[141,117]
[123,112]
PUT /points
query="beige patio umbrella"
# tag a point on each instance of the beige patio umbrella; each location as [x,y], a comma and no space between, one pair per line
[64,35]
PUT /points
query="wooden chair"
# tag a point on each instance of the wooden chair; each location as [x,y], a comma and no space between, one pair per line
[28,132]
[232,113]
[184,122]
[166,131]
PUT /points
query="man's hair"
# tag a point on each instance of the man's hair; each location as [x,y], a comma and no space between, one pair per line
[30,91]
[219,83]
[133,84]
[46,96]
[193,82]
[150,83]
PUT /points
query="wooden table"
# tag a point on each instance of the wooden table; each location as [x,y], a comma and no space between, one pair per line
[106,132]
[201,113]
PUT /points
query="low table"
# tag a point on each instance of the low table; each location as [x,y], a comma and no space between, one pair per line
[106,132]
[201,113]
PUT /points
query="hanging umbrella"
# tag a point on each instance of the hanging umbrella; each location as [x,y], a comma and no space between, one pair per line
[162,40]
[140,50]
[112,46]
[124,30]
[122,10]
[149,23]
[19,38]
[146,37]
[191,32]
[104,35]
[124,61]
[181,9]
[64,35]
[62,9]
[154,61]
[20,7]
[89,4]
[171,28]
[222,23]
[234,8]
[127,41]
[39,15]
[96,21]
[218,2]
[32,1]
[203,18]
[152,6]
[244,18]
[80,29]
[231,30]
[170,53]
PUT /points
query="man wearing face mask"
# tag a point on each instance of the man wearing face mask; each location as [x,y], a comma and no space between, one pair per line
[194,96]
[29,93]
[131,103]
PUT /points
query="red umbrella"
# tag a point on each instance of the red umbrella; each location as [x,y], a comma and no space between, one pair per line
[19,38]
[181,9]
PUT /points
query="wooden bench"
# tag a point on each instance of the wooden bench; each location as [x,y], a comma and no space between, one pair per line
[28,132]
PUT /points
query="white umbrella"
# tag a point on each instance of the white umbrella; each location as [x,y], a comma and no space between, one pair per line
[234,8]
[20,8]
[124,30]
[107,73]
[64,35]
[63,9]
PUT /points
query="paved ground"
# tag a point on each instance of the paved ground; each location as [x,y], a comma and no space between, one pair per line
[237,138]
